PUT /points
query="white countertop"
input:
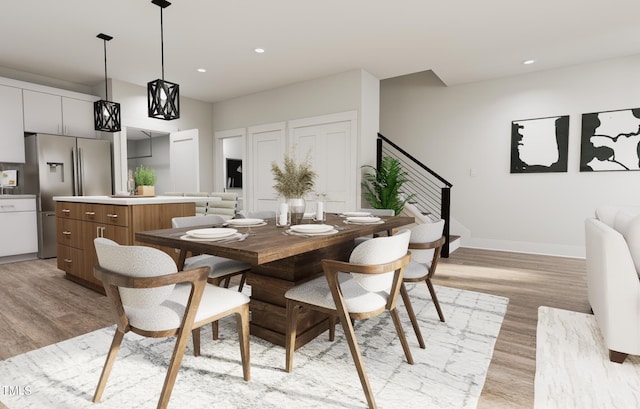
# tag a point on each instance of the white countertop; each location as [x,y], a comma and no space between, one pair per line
[17,197]
[126,200]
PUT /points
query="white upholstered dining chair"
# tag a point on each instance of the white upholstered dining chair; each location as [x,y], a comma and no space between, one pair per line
[222,269]
[425,247]
[362,288]
[377,213]
[150,297]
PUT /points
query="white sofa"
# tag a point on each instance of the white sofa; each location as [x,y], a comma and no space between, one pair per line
[613,262]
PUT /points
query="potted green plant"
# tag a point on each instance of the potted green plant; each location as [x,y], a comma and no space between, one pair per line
[293,182]
[145,178]
[382,185]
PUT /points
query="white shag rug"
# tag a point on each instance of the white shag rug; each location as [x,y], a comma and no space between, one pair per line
[450,373]
[573,368]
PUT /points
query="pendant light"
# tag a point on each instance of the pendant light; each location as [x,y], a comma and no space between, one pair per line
[106,114]
[163,97]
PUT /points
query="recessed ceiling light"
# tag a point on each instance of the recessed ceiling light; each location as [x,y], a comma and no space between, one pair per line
[201,70]
[259,50]
[528,62]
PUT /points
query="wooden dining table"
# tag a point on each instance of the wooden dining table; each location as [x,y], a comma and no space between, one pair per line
[278,261]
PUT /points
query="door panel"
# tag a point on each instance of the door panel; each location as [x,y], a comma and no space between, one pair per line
[184,161]
[333,159]
[267,145]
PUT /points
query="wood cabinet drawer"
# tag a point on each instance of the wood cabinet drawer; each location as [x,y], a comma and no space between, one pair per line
[70,233]
[107,214]
[68,210]
[71,260]
[93,212]
[117,215]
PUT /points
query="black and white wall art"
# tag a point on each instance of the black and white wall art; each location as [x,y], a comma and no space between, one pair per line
[540,145]
[610,140]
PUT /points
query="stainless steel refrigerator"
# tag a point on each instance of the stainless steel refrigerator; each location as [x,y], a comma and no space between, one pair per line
[63,166]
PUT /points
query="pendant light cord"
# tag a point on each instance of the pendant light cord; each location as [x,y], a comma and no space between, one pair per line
[162,43]
[106,94]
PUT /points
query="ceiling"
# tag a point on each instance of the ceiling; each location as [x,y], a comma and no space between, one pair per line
[461,41]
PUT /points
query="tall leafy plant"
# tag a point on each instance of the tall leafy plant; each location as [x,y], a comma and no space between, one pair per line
[382,185]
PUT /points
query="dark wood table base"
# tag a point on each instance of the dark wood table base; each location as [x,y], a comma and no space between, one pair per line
[269,282]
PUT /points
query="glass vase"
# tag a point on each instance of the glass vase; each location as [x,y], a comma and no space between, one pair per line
[296,208]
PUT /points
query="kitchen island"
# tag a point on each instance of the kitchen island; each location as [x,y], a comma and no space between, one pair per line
[80,219]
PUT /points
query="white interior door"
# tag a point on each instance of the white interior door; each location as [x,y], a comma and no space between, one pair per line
[267,144]
[330,141]
[184,161]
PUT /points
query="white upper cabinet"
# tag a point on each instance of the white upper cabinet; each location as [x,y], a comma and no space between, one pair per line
[11,125]
[77,118]
[55,114]
[42,112]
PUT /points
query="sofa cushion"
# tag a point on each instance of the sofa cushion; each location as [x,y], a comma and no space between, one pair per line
[623,219]
[632,237]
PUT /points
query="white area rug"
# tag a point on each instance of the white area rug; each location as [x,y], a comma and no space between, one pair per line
[450,373]
[573,368]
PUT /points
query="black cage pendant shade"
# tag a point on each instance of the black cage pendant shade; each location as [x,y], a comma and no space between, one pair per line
[106,114]
[163,97]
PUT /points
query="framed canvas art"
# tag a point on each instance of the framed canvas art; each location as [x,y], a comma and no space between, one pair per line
[609,140]
[540,145]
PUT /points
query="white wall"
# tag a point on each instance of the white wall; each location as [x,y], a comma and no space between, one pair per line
[454,130]
[354,90]
[327,95]
[194,114]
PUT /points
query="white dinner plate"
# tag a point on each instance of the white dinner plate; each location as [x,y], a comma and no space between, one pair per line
[244,222]
[363,220]
[225,238]
[356,214]
[211,233]
[311,228]
[310,234]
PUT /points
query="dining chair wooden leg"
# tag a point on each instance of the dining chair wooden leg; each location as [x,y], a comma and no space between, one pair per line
[242,323]
[290,338]
[412,315]
[434,297]
[195,334]
[108,364]
[332,327]
[403,339]
[243,277]
[174,367]
[214,330]
[350,335]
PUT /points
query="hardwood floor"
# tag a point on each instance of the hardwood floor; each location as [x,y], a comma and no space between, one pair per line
[529,281]
[39,307]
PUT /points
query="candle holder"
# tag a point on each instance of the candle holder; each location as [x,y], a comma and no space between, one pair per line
[320,206]
[283,215]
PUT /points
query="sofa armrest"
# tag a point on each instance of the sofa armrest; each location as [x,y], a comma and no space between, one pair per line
[613,287]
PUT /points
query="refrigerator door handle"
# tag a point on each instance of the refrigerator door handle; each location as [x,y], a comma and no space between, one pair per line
[74,172]
[80,172]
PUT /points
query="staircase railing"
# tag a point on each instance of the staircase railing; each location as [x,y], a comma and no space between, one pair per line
[432,193]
